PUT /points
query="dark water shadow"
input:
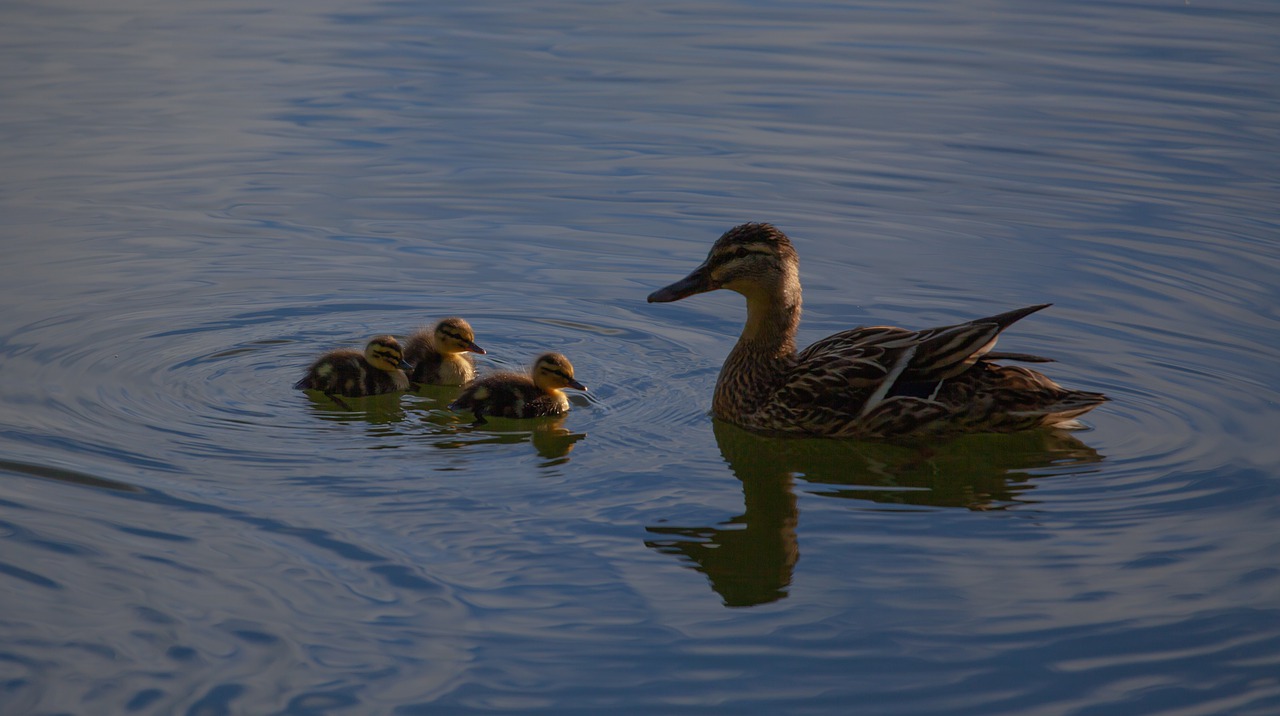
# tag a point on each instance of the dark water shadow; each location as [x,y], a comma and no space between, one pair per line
[59,474]
[750,558]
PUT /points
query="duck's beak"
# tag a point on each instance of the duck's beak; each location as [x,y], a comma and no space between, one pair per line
[576,385]
[699,281]
[405,365]
[475,348]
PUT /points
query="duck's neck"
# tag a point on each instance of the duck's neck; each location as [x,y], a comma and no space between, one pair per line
[765,351]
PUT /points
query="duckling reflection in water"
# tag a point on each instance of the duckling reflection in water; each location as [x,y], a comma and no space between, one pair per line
[440,355]
[870,382]
[512,395]
[548,436]
[347,372]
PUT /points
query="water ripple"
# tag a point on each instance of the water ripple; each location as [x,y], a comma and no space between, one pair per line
[205,197]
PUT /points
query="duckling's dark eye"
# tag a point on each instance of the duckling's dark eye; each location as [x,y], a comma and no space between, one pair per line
[741,253]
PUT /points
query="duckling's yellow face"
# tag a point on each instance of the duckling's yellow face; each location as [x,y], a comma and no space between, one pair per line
[553,371]
[750,259]
[454,335]
[384,353]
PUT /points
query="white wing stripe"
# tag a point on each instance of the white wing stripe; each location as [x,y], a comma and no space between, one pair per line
[903,361]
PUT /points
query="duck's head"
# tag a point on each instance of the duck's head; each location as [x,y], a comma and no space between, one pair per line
[454,335]
[385,354]
[552,371]
[756,260]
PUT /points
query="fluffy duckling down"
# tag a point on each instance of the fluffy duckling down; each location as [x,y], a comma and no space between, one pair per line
[347,372]
[515,395]
[440,354]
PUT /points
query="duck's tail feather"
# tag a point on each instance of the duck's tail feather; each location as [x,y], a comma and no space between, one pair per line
[947,351]
[1020,357]
[1064,412]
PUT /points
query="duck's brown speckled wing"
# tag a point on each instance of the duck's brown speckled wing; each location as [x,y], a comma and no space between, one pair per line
[833,379]
[883,380]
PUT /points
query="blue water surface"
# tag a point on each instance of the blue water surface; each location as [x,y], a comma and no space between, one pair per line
[198,197]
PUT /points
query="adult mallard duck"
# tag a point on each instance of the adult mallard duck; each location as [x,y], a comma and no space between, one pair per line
[870,382]
[516,395]
[439,355]
[380,369]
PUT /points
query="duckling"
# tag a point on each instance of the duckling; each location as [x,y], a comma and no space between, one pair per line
[513,395]
[439,355]
[380,369]
[870,382]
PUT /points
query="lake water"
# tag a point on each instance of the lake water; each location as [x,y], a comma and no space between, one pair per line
[199,197]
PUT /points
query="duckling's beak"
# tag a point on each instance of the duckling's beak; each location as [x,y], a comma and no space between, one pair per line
[575,384]
[699,281]
[474,348]
[405,365]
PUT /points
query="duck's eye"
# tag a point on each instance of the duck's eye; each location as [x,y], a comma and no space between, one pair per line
[553,369]
[741,253]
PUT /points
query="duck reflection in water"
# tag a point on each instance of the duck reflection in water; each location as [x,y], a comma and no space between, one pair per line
[388,414]
[548,436]
[385,409]
[749,559]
